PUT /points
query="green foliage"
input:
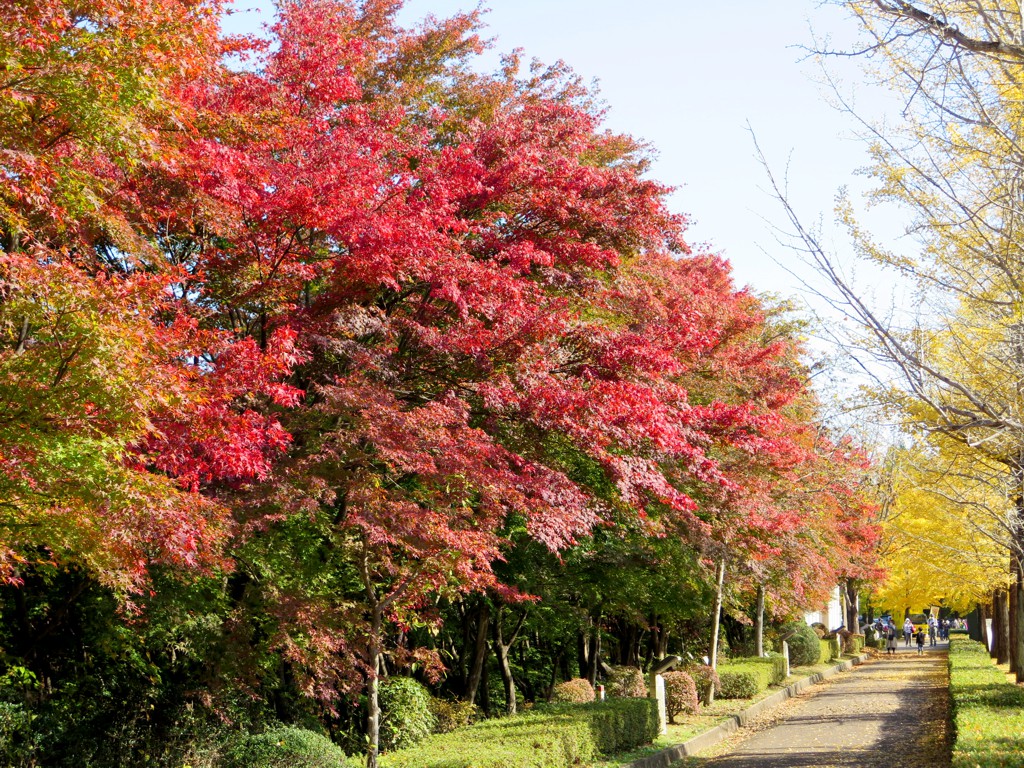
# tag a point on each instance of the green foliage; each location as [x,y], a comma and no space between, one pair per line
[406,718]
[285,747]
[15,733]
[804,646]
[553,736]
[854,644]
[680,695]
[743,678]
[739,683]
[575,691]
[988,711]
[450,714]
[775,664]
[828,650]
[704,677]
[626,683]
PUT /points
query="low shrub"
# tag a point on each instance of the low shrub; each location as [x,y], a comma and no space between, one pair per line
[680,695]
[405,716]
[988,711]
[804,645]
[551,736]
[853,644]
[776,664]
[451,714]
[575,691]
[704,677]
[285,747]
[626,683]
[738,684]
[828,649]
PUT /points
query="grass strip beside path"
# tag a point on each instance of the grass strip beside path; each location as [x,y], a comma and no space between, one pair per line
[988,710]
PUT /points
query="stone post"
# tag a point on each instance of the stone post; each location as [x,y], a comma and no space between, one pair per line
[658,693]
[785,655]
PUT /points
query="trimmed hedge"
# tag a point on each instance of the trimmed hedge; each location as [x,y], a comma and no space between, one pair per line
[775,662]
[829,650]
[285,747]
[988,711]
[855,644]
[743,678]
[739,684]
[552,736]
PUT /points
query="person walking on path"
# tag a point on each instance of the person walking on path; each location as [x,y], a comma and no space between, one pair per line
[908,630]
[932,630]
[890,641]
[920,641]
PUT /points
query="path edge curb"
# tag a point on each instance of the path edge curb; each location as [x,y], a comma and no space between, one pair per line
[709,738]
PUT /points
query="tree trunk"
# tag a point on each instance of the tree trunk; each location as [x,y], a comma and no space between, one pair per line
[759,622]
[501,648]
[1003,632]
[983,628]
[1011,618]
[852,618]
[594,655]
[1018,619]
[583,649]
[372,691]
[483,617]
[715,622]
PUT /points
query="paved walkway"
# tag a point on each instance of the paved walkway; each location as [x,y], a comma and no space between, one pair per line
[888,712]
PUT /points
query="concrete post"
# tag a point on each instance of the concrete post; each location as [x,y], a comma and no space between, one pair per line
[658,693]
[785,655]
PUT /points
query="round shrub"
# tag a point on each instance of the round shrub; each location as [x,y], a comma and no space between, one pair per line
[450,714]
[285,747]
[680,695]
[626,683]
[804,647]
[405,717]
[738,685]
[704,677]
[575,691]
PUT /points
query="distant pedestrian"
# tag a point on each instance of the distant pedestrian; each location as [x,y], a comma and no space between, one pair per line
[920,641]
[908,631]
[932,630]
[890,641]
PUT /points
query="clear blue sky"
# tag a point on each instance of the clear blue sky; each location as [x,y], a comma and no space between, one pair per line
[688,76]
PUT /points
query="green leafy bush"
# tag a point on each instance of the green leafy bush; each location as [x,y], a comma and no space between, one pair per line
[763,670]
[575,691]
[626,683]
[854,644]
[804,645]
[15,733]
[552,736]
[285,747]
[828,649]
[988,711]
[680,695]
[739,683]
[405,717]
[775,664]
[703,677]
[451,714]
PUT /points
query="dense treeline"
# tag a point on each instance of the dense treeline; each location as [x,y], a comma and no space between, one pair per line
[353,362]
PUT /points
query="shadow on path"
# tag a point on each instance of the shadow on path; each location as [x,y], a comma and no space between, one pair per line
[892,711]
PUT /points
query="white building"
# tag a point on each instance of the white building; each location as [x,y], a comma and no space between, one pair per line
[831,615]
